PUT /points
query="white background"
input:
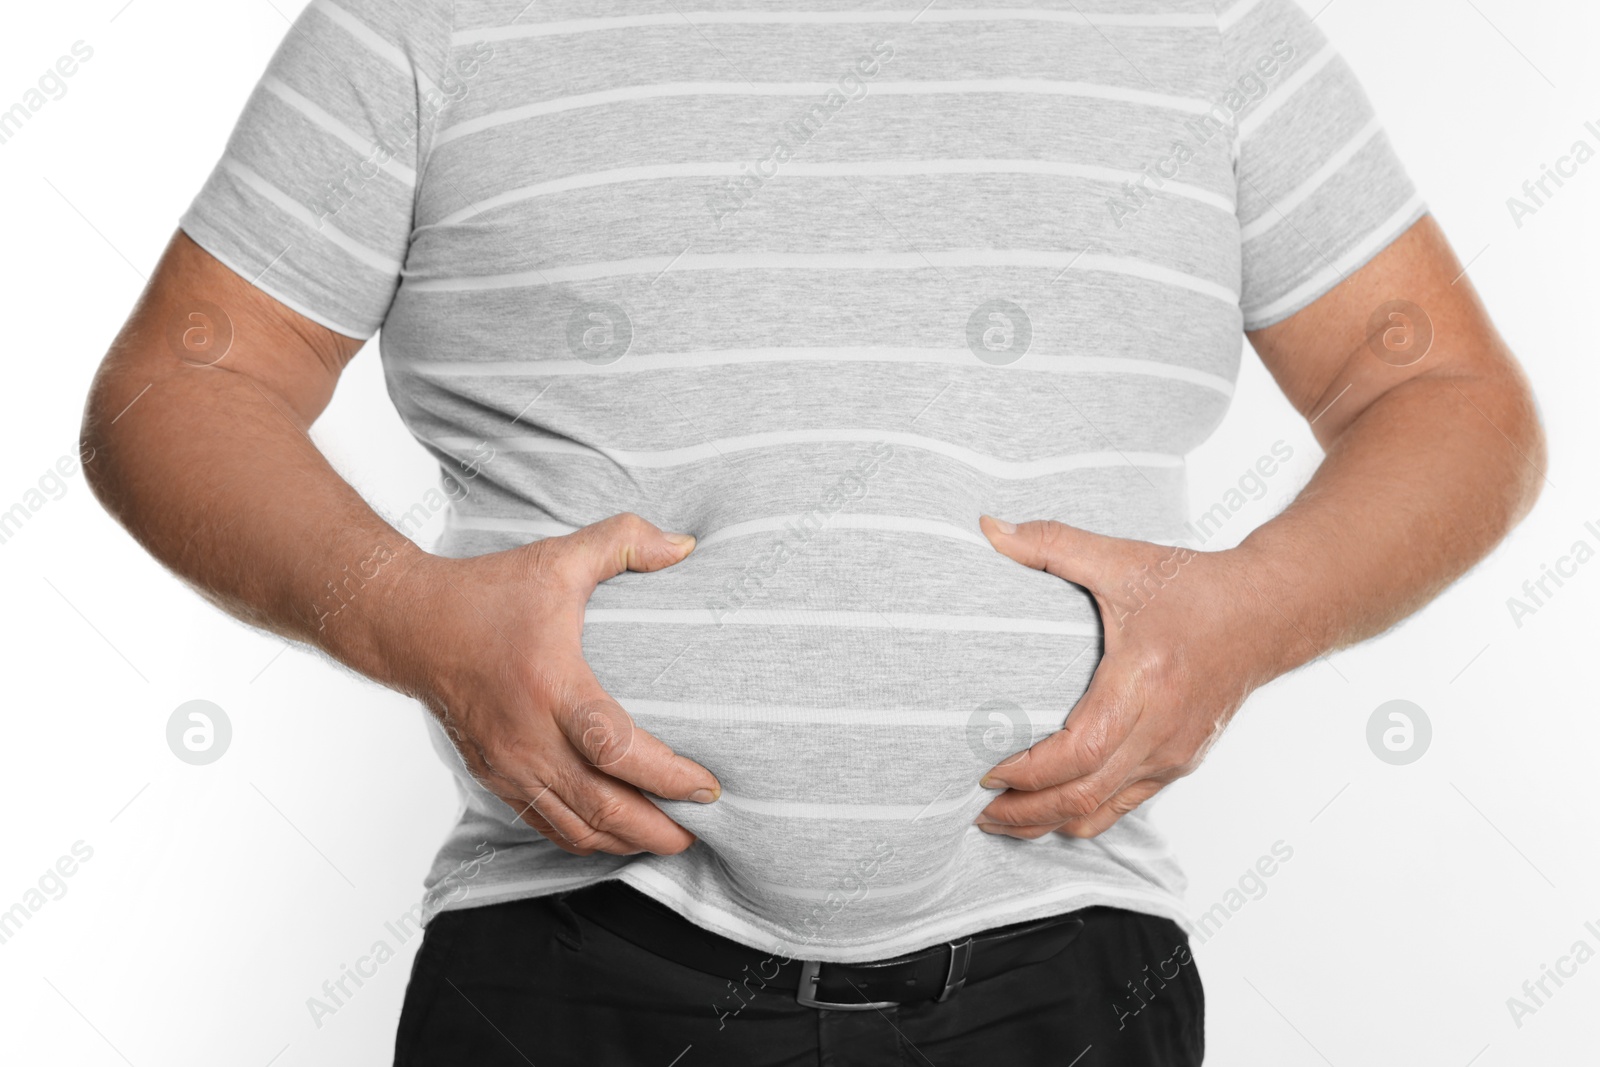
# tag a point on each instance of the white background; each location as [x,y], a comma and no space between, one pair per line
[219,898]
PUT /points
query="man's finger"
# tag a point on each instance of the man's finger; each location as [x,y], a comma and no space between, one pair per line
[1078,556]
[1056,804]
[608,738]
[1095,730]
[618,811]
[620,543]
[542,825]
[575,827]
[1101,820]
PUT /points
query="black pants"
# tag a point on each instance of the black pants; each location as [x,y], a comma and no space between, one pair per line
[532,982]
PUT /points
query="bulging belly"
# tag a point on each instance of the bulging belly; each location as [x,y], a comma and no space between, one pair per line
[848,693]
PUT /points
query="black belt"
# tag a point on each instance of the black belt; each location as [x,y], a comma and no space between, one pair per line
[936,973]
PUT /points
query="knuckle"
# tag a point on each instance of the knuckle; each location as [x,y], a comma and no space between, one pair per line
[1081,798]
[605,733]
[1094,746]
[1050,533]
[610,814]
[588,839]
[1152,664]
[506,755]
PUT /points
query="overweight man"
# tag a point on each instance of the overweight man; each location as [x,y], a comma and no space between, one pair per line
[810,386]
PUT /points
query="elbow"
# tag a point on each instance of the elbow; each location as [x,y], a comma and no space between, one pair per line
[1535,447]
[95,433]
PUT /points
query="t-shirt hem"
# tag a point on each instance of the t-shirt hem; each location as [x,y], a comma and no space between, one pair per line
[201,233]
[1058,900]
[1325,281]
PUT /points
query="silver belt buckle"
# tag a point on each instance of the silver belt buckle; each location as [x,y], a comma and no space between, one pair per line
[811,977]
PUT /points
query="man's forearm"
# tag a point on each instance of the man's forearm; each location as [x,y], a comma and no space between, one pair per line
[1413,492]
[216,477]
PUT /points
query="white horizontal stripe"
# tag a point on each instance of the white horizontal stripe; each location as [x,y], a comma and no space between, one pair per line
[914,934]
[1284,92]
[825,18]
[673,457]
[1042,721]
[873,890]
[491,524]
[757,261]
[1276,213]
[550,528]
[1335,273]
[295,210]
[955,357]
[861,169]
[794,809]
[337,129]
[1229,18]
[892,523]
[374,42]
[842,620]
[664,90]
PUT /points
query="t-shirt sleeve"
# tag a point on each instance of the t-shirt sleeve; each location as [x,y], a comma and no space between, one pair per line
[312,200]
[1320,189]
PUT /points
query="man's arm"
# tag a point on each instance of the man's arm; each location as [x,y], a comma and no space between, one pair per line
[207,461]
[1431,459]
[201,451]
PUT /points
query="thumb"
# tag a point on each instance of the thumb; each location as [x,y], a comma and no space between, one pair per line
[1073,555]
[624,542]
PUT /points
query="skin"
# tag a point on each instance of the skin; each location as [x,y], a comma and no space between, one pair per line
[1428,466]
[205,457]
[207,462]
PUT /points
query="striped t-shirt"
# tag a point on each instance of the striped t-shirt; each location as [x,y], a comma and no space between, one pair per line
[820,283]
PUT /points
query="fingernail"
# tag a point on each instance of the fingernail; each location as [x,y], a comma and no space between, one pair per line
[989,781]
[1003,526]
[989,827]
[705,796]
[680,539]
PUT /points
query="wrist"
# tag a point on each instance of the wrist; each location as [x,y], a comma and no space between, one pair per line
[1267,612]
[382,636]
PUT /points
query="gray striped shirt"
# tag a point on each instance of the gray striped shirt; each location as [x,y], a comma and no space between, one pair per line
[819,283]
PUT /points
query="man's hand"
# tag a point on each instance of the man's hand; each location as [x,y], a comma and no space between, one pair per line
[493,645]
[1186,641]
[1434,451]
[244,507]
